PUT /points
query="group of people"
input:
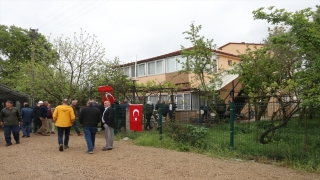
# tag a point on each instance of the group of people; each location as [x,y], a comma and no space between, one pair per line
[40,119]
[120,113]
[166,109]
[220,108]
[63,117]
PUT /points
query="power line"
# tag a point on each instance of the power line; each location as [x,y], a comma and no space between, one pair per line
[64,12]
[81,14]
[52,13]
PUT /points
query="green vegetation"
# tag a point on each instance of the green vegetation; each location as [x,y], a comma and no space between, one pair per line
[292,146]
[187,133]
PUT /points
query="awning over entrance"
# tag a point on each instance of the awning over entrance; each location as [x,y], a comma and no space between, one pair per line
[226,79]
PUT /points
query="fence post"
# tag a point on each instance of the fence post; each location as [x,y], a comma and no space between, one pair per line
[160,120]
[232,119]
[115,121]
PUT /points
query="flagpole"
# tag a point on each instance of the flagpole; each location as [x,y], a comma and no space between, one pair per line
[136,67]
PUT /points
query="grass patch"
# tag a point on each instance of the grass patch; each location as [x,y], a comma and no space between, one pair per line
[297,145]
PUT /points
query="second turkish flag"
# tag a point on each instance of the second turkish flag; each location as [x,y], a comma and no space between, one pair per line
[136,114]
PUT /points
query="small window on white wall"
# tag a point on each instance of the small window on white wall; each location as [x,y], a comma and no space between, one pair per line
[181,61]
[171,64]
[215,69]
[126,71]
[133,71]
[159,66]
[141,70]
[154,99]
[230,62]
[151,68]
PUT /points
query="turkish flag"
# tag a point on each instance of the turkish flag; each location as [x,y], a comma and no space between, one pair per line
[135,111]
[106,93]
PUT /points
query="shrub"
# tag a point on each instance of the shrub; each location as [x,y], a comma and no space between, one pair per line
[182,133]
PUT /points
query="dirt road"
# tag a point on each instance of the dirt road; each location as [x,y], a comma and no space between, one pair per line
[38,157]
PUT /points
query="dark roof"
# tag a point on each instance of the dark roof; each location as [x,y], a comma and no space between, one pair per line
[175,53]
[239,43]
[7,93]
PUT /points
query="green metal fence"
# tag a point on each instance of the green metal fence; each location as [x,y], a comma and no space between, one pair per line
[299,139]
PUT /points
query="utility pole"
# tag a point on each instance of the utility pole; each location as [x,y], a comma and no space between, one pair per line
[33,37]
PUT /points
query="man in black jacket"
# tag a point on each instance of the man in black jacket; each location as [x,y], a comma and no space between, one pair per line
[117,108]
[89,119]
[124,107]
[108,124]
[148,111]
[36,119]
[43,117]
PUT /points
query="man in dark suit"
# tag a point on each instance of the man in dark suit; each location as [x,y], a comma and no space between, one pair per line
[109,125]
[89,119]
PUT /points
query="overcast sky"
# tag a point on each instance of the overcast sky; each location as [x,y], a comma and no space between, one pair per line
[144,29]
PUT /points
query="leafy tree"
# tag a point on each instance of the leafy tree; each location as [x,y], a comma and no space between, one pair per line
[268,73]
[111,73]
[72,75]
[304,27]
[200,63]
[16,45]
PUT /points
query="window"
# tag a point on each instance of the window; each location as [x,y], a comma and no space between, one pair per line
[186,101]
[159,67]
[154,99]
[197,101]
[164,98]
[182,61]
[208,68]
[230,62]
[183,101]
[133,71]
[141,70]
[171,64]
[287,98]
[126,71]
[151,68]
[179,101]
[214,61]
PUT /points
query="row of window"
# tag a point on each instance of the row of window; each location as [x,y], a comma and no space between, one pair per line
[186,101]
[161,66]
[167,65]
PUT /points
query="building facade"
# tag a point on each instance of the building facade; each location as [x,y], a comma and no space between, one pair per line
[165,68]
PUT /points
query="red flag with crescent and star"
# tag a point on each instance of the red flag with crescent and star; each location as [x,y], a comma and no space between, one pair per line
[106,93]
[135,117]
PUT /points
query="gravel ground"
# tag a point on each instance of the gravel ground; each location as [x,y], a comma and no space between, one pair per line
[38,157]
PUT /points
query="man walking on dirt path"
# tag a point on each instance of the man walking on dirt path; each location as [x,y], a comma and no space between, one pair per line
[74,104]
[108,124]
[27,116]
[89,119]
[43,117]
[10,117]
[64,117]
